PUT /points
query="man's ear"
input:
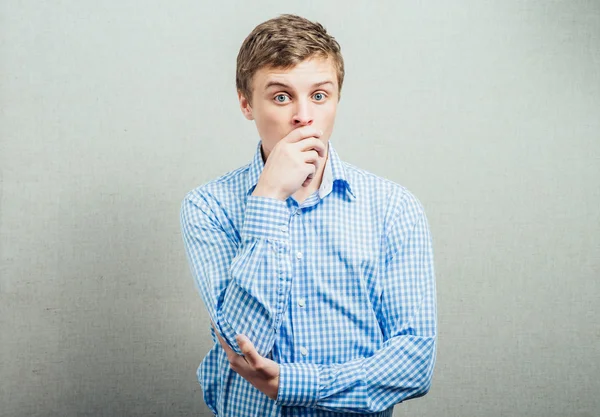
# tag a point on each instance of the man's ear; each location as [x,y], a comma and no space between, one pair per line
[245,106]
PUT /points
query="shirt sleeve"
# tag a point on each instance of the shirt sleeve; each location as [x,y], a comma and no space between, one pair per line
[244,279]
[403,367]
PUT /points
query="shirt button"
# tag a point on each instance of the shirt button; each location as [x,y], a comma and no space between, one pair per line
[283,229]
[303,351]
[299,255]
[302,302]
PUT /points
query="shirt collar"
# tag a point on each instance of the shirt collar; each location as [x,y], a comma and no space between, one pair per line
[334,171]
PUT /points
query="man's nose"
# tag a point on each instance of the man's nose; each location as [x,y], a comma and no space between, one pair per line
[303,116]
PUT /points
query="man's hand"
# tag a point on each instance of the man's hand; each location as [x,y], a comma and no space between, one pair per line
[261,372]
[292,163]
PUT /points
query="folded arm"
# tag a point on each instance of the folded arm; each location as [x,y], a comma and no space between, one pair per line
[244,279]
[402,368]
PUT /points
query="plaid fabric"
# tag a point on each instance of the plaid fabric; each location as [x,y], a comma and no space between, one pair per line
[339,290]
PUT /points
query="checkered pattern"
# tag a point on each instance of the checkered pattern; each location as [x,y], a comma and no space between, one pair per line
[339,290]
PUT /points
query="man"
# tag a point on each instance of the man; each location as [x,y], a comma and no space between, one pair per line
[317,276]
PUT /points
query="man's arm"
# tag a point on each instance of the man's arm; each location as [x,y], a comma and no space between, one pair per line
[244,282]
[403,367]
[245,285]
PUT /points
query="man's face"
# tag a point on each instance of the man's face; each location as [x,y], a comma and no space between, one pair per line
[283,100]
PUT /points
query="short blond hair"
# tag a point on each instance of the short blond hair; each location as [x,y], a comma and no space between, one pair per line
[284,42]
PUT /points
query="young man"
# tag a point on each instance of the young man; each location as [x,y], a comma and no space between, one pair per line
[318,276]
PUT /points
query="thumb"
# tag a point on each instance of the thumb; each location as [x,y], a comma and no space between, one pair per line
[248,350]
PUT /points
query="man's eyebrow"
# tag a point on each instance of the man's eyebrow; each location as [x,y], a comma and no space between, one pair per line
[323,83]
[277,84]
[288,87]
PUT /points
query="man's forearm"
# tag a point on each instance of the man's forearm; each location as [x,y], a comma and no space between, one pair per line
[397,372]
[244,285]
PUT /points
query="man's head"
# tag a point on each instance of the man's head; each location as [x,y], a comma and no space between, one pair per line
[289,74]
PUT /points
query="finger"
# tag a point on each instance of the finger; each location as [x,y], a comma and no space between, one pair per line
[311,157]
[312,171]
[312,144]
[248,350]
[310,174]
[300,133]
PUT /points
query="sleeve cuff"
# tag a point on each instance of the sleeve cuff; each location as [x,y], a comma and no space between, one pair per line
[298,384]
[266,218]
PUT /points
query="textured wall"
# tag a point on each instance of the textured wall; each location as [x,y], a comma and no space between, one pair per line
[111,111]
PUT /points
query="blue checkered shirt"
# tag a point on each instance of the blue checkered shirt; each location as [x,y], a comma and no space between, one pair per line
[339,290]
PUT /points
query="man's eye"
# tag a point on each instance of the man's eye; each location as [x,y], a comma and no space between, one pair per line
[281,98]
[319,96]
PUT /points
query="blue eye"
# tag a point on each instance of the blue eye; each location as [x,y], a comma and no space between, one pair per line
[281,98]
[319,96]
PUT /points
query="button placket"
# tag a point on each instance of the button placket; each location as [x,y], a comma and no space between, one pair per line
[301,301]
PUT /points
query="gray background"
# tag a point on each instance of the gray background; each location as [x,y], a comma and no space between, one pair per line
[111,111]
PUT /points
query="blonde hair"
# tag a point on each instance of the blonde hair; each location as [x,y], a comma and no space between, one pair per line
[284,42]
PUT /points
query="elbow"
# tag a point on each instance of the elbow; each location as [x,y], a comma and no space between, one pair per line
[424,383]
[259,333]
[427,376]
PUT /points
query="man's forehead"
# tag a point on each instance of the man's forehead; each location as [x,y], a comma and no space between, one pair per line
[310,72]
